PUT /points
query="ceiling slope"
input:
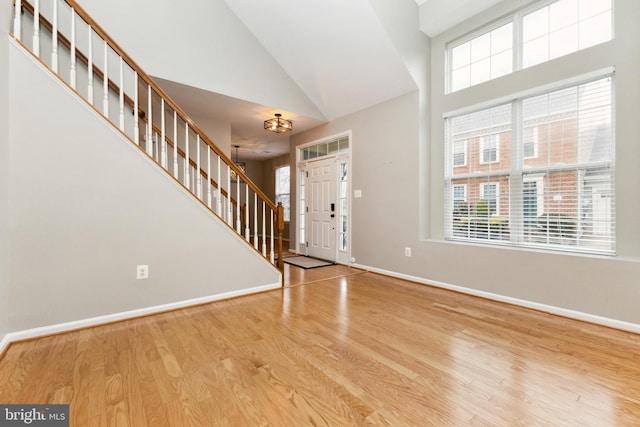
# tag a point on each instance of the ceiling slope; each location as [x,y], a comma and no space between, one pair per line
[337,51]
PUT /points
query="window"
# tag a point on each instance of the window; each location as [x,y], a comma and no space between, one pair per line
[344,193]
[563,27]
[283,190]
[553,187]
[460,153]
[489,195]
[530,142]
[489,146]
[482,58]
[548,30]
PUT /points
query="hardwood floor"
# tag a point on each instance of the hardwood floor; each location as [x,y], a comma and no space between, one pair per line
[361,349]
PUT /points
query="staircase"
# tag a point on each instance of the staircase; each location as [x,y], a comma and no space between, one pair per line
[62,36]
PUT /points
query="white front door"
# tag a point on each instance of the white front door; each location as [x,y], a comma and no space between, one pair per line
[322,205]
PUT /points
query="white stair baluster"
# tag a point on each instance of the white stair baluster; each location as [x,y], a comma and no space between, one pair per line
[238,219]
[198,174]
[36,28]
[272,255]
[121,100]
[208,176]
[72,72]
[90,72]
[163,136]
[105,86]
[247,220]
[187,166]
[255,221]
[264,229]
[136,110]
[149,138]
[219,193]
[175,144]
[54,38]
[229,212]
[17,20]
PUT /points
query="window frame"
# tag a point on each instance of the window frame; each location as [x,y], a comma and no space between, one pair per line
[464,152]
[516,18]
[483,149]
[519,172]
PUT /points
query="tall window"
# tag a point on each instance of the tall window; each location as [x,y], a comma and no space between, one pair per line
[482,58]
[553,186]
[547,30]
[283,190]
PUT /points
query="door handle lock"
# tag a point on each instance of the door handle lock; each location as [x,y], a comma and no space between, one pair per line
[333,215]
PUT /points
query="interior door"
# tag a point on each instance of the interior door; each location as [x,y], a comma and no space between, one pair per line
[321,217]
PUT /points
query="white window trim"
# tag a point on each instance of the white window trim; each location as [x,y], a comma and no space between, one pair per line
[516,18]
[536,139]
[277,195]
[497,184]
[453,192]
[539,180]
[483,148]
[465,144]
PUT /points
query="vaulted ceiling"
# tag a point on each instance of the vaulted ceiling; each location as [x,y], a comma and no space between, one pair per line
[241,61]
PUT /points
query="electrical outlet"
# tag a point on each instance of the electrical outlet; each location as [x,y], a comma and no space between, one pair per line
[407,251]
[142,272]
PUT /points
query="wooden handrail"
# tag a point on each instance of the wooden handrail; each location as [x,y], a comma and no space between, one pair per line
[277,211]
[183,115]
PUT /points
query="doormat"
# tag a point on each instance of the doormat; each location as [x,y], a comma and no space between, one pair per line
[306,262]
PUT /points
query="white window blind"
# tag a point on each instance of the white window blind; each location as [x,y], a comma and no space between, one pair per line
[552,184]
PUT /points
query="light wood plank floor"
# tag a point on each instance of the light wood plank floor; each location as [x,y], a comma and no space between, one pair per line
[348,348]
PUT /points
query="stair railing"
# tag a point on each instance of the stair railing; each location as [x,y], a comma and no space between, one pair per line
[64,38]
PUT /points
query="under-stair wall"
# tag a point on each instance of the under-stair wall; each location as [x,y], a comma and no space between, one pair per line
[87,207]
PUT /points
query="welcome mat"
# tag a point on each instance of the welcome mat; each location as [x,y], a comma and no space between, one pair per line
[306,262]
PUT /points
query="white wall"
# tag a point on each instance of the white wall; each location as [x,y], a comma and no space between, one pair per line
[5,21]
[386,167]
[86,207]
[200,43]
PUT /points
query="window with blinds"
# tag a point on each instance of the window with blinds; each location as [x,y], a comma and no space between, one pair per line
[539,171]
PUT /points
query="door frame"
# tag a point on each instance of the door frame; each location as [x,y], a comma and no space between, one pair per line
[341,256]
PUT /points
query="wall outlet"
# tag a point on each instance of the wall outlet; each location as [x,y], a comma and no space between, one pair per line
[407,251]
[142,272]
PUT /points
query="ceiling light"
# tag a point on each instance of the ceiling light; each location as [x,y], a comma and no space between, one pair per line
[278,124]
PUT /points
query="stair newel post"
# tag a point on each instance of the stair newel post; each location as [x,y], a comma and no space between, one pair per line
[72,72]
[238,220]
[198,174]
[280,221]
[219,193]
[149,138]
[163,135]
[17,20]
[36,28]
[187,166]
[105,83]
[90,79]
[255,221]
[54,38]
[175,144]
[247,230]
[264,229]
[208,176]
[121,94]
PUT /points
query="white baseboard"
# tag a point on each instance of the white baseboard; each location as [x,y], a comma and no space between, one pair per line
[110,318]
[558,311]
